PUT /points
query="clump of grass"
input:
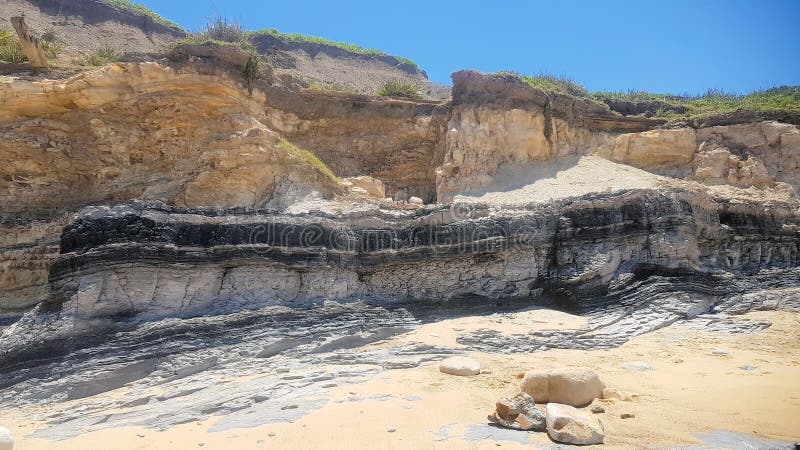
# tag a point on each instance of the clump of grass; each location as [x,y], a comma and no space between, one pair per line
[10,48]
[250,71]
[352,48]
[308,157]
[549,82]
[222,29]
[51,44]
[137,8]
[399,88]
[332,86]
[102,56]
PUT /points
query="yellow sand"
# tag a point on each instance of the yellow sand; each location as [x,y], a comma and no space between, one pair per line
[690,390]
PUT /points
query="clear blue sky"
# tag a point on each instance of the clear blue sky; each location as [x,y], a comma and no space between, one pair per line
[678,46]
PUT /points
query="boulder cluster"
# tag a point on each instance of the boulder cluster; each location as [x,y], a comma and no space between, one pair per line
[566,394]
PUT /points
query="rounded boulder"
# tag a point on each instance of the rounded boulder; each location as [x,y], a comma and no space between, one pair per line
[575,386]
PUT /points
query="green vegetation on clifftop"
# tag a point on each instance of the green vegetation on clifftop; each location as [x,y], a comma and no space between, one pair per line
[137,8]
[352,48]
[713,101]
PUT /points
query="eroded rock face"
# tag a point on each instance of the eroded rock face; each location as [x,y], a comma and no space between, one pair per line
[396,141]
[188,135]
[141,130]
[499,124]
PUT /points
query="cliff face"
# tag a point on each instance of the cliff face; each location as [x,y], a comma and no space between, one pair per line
[541,195]
[188,136]
[499,124]
[394,140]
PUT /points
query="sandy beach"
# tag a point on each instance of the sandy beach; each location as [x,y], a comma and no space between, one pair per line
[696,385]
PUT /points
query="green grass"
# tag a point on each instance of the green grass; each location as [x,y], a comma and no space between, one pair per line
[222,29]
[297,37]
[714,101]
[399,88]
[51,44]
[549,82]
[308,157]
[103,56]
[332,86]
[137,8]
[10,48]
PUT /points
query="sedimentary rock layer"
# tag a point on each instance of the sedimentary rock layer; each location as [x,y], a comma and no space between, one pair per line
[145,262]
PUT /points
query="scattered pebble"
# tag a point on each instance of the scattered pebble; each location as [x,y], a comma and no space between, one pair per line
[289,407]
[598,409]
[140,435]
[626,416]
[271,434]
[391,430]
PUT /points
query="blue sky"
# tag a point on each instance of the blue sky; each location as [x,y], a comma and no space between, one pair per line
[673,46]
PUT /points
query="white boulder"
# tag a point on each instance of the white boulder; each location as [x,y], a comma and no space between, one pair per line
[572,426]
[460,365]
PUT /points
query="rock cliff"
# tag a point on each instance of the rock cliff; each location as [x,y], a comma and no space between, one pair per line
[531,194]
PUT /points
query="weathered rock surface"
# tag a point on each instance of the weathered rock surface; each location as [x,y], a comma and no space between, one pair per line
[573,426]
[518,412]
[575,386]
[460,365]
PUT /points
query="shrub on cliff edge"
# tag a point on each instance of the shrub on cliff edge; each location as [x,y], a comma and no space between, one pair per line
[399,88]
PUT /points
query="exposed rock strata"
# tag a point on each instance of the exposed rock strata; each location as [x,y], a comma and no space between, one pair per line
[152,262]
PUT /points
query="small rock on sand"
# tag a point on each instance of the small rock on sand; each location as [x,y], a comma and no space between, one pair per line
[626,416]
[576,386]
[598,409]
[518,412]
[6,440]
[572,426]
[460,365]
